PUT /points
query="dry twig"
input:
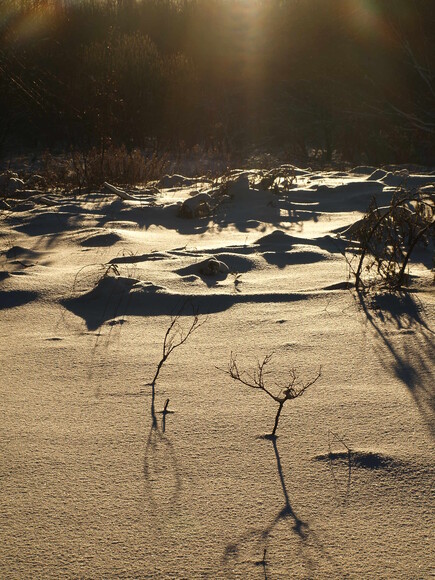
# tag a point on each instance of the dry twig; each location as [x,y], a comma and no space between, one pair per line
[291,389]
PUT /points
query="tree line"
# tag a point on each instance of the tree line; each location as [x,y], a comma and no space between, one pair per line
[332,78]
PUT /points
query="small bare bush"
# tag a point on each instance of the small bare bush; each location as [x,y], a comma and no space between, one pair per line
[292,388]
[387,236]
[176,335]
[117,165]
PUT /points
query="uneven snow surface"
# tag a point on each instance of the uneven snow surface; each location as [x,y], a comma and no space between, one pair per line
[92,487]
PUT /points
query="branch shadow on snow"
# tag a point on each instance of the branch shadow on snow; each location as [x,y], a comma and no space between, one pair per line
[144,217]
[261,537]
[244,211]
[245,218]
[160,465]
[399,323]
[246,207]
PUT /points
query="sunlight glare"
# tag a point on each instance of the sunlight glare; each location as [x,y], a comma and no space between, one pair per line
[23,25]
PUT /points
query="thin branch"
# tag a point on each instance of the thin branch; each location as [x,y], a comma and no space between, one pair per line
[254,382]
[423,72]
[175,336]
[293,388]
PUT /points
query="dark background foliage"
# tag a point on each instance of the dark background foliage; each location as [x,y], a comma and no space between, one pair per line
[346,78]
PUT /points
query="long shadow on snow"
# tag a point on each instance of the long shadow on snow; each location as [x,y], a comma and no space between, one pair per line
[261,536]
[247,218]
[65,217]
[146,216]
[227,214]
[160,466]
[400,326]
[278,249]
[96,307]
[13,298]
[43,223]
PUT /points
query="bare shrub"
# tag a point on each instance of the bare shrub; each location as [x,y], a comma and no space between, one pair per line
[116,164]
[85,168]
[292,388]
[176,335]
[387,236]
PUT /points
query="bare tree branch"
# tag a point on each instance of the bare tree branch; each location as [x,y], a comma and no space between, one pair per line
[294,387]
[176,335]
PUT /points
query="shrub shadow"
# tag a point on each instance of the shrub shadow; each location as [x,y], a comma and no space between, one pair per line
[160,465]
[400,326]
[260,537]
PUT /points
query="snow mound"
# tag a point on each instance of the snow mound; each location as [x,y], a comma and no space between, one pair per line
[172,181]
[101,240]
[239,187]
[211,267]
[278,238]
[198,206]
[112,285]
[19,253]
[364,460]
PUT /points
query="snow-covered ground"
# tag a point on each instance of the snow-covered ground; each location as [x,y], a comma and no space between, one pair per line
[91,489]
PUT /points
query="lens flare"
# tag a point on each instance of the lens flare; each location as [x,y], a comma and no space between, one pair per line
[368,19]
[21,24]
